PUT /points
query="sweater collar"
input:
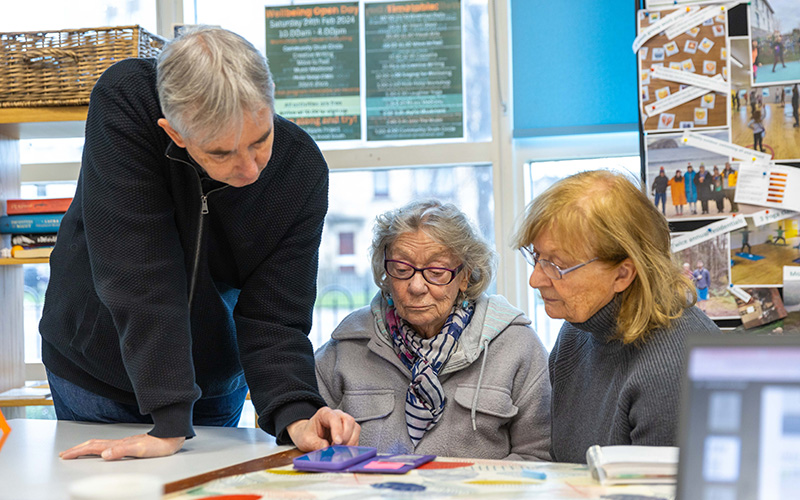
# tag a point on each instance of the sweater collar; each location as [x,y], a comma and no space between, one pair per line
[603,324]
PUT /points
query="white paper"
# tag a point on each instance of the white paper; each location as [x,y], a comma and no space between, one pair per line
[768,185]
[695,18]
[739,292]
[715,83]
[747,156]
[674,100]
[708,232]
[662,4]
[767,216]
[657,27]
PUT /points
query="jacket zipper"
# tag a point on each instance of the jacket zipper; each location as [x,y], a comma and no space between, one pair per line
[201,225]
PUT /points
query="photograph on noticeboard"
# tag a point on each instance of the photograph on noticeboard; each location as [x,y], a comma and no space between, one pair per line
[686,182]
[707,266]
[763,118]
[764,307]
[774,28]
[702,51]
[759,254]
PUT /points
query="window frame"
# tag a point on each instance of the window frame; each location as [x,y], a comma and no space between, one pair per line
[508,156]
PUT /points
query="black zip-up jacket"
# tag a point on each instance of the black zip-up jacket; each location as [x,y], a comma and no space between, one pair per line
[118,320]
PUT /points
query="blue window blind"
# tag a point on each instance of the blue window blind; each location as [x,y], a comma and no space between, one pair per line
[573,68]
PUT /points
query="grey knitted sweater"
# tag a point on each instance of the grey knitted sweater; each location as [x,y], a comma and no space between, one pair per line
[609,393]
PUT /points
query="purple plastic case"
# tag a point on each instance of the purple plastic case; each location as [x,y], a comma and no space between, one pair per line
[391,464]
[334,458]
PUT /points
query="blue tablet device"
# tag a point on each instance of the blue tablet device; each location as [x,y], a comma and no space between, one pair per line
[334,458]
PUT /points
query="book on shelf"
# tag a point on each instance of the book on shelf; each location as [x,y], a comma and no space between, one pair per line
[38,206]
[630,464]
[32,223]
[34,240]
[19,252]
[27,392]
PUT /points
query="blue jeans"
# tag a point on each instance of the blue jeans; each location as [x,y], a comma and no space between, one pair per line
[72,402]
[662,197]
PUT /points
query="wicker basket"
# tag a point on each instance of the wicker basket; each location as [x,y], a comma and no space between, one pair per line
[59,68]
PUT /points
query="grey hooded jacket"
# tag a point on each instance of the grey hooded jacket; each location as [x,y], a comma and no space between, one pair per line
[359,372]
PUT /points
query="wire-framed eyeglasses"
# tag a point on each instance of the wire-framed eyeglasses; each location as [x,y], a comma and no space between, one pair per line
[550,270]
[400,270]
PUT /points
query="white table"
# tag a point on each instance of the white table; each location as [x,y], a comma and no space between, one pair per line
[30,468]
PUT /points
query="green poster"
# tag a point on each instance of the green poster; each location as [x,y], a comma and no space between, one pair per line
[413,70]
[313,54]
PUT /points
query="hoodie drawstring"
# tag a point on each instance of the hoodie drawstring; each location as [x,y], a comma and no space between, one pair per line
[486,339]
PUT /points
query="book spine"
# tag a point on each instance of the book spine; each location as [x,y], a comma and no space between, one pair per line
[22,224]
[19,252]
[32,240]
[45,206]
[594,459]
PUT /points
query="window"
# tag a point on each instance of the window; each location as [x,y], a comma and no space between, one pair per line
[346,243]
[57,14]
[380,179]
[247,18]
[36,276]
[540,175]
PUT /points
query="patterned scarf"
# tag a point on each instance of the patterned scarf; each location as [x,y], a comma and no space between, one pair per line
[425,398]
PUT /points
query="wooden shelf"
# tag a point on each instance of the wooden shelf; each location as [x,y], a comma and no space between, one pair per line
[43,114]
[16,262]
[27,396]
[43,123]
[13,403]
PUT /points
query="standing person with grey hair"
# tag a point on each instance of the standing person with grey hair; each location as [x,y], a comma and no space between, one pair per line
[185,268]
[435,365]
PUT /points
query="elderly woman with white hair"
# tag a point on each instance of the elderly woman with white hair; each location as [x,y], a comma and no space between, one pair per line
[434,365]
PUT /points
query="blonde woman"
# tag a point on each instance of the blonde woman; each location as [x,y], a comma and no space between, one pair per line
[601,260]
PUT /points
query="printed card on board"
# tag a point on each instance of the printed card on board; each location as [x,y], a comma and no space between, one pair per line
[658,54]
[707,100]
[708,22]
[688,65]
[723,53]
[718,30]
[686,125]
[645,93]
[709,67]
[654,16]
[720,18]
[675,65]
[662,93]
[693,32]
[690,47]
[700,116]
[705,45]
[644,77]
[643,53]
[666,121]
[671,49]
